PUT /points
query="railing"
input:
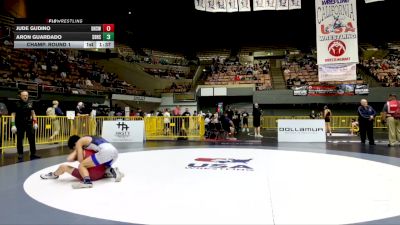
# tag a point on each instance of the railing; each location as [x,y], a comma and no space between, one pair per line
[55,129]
[159,127]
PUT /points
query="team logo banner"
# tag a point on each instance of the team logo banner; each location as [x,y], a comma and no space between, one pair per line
[337,72]
[282,5]
[244,6]
[232,6]
[337,38]
[294,4]
[200,5]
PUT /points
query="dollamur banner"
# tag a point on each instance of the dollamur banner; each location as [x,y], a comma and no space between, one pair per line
[337,38]
[337,72]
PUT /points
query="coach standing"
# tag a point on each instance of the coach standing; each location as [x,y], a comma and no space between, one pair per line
[23,120]
[366,115]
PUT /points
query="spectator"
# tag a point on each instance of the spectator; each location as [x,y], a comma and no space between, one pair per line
[167,120]
[313,115]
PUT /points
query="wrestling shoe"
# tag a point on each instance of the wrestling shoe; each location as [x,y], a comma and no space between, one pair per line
[114,173]
[50,175]
[82,185]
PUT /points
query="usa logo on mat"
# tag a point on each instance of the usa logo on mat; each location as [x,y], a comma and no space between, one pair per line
[220,164]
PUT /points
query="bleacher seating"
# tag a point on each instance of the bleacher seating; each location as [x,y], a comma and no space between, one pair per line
[304,71]
[386,70]
[59,71]
[233,75]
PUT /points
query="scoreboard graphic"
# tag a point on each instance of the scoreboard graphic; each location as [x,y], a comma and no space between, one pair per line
[63,33]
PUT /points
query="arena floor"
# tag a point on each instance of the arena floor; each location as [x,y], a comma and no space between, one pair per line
[248,181]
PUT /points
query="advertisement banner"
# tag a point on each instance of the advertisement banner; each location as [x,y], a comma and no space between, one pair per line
[361,89]
[301,131]
[337,72]
[337,38]
[232,6]
[294,4]
[300,91]
[331,90]
[200,5]
[123,131]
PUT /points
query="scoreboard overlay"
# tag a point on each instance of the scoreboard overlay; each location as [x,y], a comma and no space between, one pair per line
[56,35]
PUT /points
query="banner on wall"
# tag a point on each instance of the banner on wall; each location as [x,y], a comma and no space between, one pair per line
[244,6]
[259,5]
[270,4]
[200,5]
[210,5]
[370,1]
[337,72]
[220,6]
[294,4]
[232,6]
[282,5]
[331,90]
[361,89]
[337,38]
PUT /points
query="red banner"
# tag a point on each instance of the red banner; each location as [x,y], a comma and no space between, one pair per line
[331,90]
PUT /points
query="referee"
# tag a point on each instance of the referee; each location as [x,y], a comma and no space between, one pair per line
[23,120]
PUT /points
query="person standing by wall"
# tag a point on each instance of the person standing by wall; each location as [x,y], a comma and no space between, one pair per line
[245,122]
[3,112]
[23,120]
[392,118]
[167,120]
[366,115]
[256,120]
[313,115]
[55,111]
[327,117]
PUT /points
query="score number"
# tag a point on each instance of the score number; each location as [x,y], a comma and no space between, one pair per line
[108,32]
